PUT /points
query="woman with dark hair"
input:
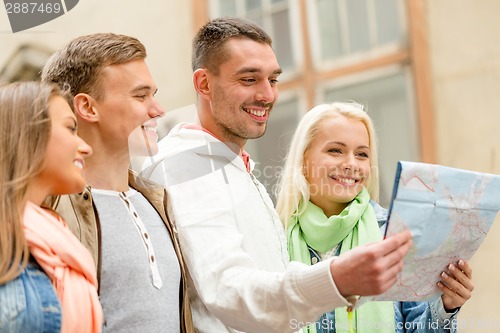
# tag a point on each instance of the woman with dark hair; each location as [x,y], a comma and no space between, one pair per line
[47,277]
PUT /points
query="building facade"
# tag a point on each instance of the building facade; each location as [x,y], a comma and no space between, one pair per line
[427,71]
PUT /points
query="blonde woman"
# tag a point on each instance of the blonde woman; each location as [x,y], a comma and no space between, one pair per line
[47,278]
[328,203]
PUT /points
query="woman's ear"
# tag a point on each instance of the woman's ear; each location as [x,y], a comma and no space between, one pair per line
[85,107]
[201,83]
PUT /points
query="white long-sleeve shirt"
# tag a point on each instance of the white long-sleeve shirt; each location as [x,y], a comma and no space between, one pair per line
[234,243]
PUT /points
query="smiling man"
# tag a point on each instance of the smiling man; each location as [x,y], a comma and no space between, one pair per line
[232,239]
[121,217]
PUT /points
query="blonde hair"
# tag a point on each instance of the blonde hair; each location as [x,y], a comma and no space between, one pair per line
[293,187]
[25,129]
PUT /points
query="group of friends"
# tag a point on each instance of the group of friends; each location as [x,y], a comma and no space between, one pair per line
[193,243]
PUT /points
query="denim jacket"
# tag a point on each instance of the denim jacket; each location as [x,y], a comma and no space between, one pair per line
[419,317]
[29,303]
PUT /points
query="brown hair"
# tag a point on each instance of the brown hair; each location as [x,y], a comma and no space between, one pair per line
[24,133]
[209,43]
[78,66]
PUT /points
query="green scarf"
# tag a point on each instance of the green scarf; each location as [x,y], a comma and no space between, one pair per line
[354,226]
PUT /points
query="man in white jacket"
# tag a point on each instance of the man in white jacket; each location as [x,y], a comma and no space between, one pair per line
[232,239]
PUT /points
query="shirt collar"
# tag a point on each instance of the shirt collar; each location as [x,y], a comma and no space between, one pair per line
[243,154]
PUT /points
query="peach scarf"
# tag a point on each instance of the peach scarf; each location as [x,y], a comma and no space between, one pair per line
[70,267]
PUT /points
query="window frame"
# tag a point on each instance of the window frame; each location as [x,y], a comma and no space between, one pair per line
[311,73]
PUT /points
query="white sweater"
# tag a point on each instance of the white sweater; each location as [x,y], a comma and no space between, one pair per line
[234,243]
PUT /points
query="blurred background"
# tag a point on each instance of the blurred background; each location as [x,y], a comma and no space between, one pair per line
[427,71]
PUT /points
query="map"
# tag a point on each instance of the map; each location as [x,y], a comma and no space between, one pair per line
[449,212]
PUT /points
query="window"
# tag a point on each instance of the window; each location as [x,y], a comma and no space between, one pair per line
[360,52]
[355,50]
[273,16]
[346,27]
